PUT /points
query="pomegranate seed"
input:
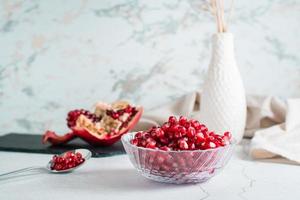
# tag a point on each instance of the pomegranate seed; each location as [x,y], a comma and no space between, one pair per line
[185,139]
[196,124]
[228,135]
[182,120]
[148,140]
[138,135]
[128,109]
[183,144]
[209,145]
[164,140]
[159,133]
[71,165]
[143,143]
[177,135]
[134,141]
[211,134]
[165,127]
[151,144]
[225,140]
[212,145]
[170,135]
[146,135]
[68,160]
[182,130]
[199,138]
[192,146]
[69,154]
[54,158]
[187,125]
[172,120]
[153,133]
[191,132]
[175,128]
[203,129]
[115,115]
[58,167]
[60,159]
[165,148]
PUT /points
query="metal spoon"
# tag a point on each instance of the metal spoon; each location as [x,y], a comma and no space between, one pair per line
[86,154]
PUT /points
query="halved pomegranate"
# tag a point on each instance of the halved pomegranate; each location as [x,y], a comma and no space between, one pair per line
[103,127]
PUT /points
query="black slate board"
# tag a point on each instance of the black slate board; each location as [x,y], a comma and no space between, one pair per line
[17,142]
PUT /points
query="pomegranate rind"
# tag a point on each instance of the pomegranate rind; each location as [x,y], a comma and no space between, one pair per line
[53,138]
[92,138]
[105,140]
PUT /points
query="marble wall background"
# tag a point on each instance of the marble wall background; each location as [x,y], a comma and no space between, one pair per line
[59,55]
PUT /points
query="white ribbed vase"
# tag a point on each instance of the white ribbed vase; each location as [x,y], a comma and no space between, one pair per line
[223,101]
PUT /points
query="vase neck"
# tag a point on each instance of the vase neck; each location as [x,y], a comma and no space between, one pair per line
[222,45]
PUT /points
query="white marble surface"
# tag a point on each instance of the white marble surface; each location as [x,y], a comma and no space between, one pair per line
[115,178]
[59,55]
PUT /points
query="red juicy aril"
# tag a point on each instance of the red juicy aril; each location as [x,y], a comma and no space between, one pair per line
[66,161]
[103,127]
[180,134]
[74,114]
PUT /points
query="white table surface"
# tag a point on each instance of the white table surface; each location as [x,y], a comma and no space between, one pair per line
[115,178]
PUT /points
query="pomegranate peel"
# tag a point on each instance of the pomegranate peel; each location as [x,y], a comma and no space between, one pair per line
[104,127]
[95,138]
[53,138]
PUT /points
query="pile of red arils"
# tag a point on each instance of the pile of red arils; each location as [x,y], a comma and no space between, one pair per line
[66,161]
[180,151]
[180,134]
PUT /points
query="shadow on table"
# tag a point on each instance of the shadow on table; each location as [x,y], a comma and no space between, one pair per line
[242,150]
[120,179]
[116,179]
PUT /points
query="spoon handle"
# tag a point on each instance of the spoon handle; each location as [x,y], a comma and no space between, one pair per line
[2,176]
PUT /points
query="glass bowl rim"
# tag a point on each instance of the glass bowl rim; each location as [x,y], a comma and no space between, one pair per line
[127,142]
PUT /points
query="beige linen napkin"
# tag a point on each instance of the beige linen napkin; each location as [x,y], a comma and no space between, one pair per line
[273,124]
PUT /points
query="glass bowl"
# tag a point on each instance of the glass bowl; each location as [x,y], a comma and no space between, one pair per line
[177,166]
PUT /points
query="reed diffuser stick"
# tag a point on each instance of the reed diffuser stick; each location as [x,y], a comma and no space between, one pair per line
[218,13]
[214,12]
[217,8]
[222,15]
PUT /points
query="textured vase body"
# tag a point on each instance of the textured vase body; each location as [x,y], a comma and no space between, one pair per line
[223,101]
